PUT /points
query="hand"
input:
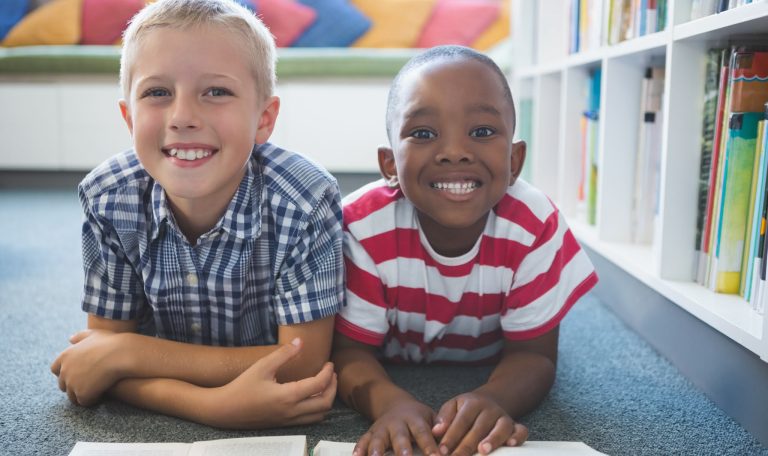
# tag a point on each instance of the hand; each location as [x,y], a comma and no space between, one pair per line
[256,400]
[89,367]
[473,422]
[405,422]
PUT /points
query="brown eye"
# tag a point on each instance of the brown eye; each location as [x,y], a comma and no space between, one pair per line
[423,133]
[482,132]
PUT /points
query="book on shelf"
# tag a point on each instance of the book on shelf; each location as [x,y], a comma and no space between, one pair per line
[760,284]
[714,79]
[648,157]
[590,125]
[751,261]
[731,192]
[736,185]
[293,445]
[627,19]
[586,25]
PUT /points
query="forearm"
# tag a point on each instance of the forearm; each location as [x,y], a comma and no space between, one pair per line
[520,382]
[167,396]
[152,357]
[364,384]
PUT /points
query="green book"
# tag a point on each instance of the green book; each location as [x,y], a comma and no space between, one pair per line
[737,183]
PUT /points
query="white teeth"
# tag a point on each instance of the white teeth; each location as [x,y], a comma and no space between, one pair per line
[459,188]
[189,154]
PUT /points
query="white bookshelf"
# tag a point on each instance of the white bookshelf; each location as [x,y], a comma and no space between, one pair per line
[544,71]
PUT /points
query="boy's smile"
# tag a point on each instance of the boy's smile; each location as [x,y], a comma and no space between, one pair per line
[452,152]
[195,113]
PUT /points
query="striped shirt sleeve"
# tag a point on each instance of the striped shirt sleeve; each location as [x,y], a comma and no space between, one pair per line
[549,280]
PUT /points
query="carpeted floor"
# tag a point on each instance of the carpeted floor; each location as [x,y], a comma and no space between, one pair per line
[612,391]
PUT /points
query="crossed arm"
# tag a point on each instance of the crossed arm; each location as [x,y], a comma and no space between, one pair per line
[477,421]
[234,387]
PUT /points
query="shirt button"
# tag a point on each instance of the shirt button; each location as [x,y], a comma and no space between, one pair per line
[192,279]
[195,328]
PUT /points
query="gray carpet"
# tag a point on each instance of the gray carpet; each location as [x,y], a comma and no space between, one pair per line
[612,391]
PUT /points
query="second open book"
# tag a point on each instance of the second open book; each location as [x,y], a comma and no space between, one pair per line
[291,445]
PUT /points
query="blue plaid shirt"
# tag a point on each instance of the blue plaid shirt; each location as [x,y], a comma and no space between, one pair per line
[273,259]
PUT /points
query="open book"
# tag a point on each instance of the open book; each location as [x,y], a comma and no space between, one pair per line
[292,445]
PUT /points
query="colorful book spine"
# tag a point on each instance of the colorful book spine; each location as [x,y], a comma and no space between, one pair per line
[737,182]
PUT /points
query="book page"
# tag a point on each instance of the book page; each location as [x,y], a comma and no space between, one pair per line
[288,445]
[530,448]
[129,449]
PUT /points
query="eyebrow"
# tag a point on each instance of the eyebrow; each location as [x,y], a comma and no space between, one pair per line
[483,108]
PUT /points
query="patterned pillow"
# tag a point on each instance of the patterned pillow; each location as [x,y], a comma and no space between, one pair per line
[391,27]
[458,22]
[11,12]
[57,22]
[338,24]
[105,20]
[499,30]
[286,19]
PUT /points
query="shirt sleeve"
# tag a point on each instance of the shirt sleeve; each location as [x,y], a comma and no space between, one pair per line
[554,274]
[364,315]
[310,285]
[112,289]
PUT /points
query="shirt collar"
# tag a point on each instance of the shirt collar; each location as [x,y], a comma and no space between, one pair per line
[242,218]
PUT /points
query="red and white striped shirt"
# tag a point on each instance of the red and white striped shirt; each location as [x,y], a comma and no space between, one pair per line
[518,281]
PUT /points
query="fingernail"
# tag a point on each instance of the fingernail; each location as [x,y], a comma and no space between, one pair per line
[296,341]
[512,442]
[443,449]
[487,447]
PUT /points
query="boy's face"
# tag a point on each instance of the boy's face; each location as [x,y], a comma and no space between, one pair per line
[453,154]
[194,112]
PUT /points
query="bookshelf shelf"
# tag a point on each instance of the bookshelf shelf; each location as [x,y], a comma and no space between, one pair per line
[554,82]
[745,20]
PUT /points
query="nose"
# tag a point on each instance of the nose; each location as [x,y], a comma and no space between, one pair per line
[185,114]
[455,149]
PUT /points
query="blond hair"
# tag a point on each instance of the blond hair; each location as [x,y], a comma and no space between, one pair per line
[183,14]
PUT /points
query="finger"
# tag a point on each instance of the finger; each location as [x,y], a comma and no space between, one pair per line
[80,335]
[519,436]
[312,386]
[56,366]
[422,434]
[500,434]
[361,448]
[315,403]
[62,384]
[379,443]
[445,417]
[273,361]
[72,397]
[401,440]
[458,428]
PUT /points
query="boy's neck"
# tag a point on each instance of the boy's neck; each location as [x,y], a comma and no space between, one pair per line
[451,242]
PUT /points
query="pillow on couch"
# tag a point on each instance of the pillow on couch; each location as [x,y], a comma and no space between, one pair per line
[286,19]
[497,31]
[57,22]
[338,24]
[105,20]
[458,22]
[396,23]
[11,12]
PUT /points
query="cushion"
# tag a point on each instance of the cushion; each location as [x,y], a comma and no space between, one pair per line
[391,27]
[458,22]
[497,31]
[57,22]
[250,4]
[105,20]
[11,12]
[338,24]
[286,19]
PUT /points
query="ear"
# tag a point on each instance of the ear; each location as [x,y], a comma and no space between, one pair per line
[126,113]
[517,160]
[387,165]
[267,120]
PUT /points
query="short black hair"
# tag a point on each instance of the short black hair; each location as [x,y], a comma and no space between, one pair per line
[441,53]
